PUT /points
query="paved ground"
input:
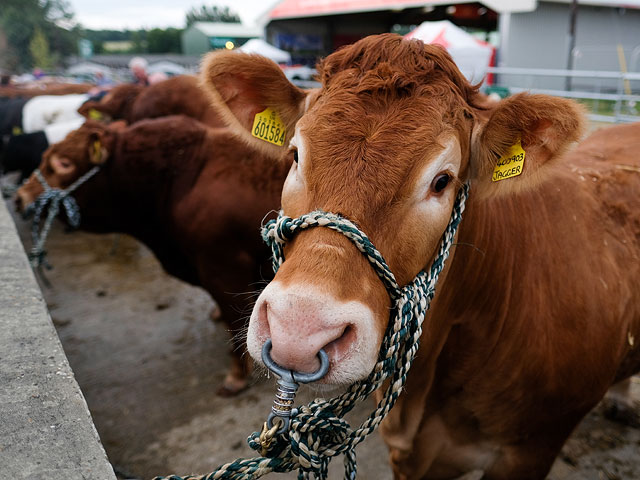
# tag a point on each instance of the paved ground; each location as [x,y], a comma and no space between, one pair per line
[149,360]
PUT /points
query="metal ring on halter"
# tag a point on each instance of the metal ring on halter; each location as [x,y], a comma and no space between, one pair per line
[288,384]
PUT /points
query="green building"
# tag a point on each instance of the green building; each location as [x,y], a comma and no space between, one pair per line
[201,37]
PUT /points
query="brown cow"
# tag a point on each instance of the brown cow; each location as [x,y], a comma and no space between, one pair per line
[13,91]
[194,195]
[537,313]
[179,95]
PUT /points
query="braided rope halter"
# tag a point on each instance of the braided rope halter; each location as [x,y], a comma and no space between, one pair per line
[317,432]
[52,198]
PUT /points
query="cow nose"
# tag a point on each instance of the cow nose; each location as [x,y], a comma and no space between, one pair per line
[299,327]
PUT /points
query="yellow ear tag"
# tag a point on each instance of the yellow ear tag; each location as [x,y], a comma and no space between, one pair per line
[16,131]
[268,126]
[95,114]
[97,151]
[510,164]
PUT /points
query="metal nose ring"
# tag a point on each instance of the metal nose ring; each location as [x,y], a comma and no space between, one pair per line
[288,384]
[290,375]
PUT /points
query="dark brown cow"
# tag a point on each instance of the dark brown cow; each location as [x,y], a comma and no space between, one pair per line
[538,311]
[195,196]
[179,95]
[116,104]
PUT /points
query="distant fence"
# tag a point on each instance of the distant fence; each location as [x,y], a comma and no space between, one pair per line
[611,96]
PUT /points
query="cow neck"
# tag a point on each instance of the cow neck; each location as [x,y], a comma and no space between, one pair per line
[142,180]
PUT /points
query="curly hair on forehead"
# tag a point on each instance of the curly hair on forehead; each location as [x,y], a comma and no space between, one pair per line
[388,63]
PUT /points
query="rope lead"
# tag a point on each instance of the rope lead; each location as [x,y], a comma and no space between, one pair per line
[317,431]
[53,198]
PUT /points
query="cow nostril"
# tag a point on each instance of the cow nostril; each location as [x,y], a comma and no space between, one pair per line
[340,347]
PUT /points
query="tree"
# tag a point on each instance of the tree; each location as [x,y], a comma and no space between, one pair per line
[19,20]
[163,41]
[39,50]
[211,14]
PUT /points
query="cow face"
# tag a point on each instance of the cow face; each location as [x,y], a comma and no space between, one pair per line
[115,105]
[64,162]
[386,142]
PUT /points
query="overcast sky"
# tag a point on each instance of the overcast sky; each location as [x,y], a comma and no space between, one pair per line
[130,14]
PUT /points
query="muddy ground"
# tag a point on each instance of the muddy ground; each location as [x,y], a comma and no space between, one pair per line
[149,361]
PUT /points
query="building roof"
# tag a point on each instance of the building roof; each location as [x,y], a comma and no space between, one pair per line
[222,29]
[312,8]
[604,3]
[307,8]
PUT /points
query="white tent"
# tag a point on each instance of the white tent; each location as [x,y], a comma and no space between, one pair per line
[257,45]
[472,55]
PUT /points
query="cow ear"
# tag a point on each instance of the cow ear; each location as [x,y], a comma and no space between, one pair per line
[98,152]
[252,94]
[515,144]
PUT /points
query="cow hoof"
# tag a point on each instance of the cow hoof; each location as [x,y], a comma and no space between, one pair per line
[475,475]
[215,314]
[622,413]
[232,386]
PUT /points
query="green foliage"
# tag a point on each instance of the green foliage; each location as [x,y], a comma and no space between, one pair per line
[19,21]
[157,40]
[164,41]
[39,50]
[211,14]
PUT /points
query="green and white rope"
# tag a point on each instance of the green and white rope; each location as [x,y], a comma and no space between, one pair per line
[318,431]
[52,198]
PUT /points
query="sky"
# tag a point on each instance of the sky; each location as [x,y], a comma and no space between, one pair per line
[136,14]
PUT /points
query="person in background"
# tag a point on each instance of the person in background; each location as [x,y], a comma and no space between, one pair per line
[138,67]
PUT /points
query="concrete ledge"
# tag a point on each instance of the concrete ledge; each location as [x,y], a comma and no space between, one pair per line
[46,430]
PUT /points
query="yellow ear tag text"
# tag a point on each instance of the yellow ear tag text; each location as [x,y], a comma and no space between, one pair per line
[510,164]
[268,126]
[95,114]
[16,131]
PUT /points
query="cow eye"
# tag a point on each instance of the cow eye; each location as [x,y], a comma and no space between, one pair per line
[295,156]
[440,182]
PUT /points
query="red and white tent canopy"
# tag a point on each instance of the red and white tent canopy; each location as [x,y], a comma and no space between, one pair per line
[473,56]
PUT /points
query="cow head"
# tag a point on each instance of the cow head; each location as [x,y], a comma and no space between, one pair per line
[386,142]
[64,162]
[115,105]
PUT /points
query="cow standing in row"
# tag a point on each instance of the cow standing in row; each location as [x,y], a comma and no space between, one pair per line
[194,195]
[27,124]
[179,95]
[537,312]
[23,152]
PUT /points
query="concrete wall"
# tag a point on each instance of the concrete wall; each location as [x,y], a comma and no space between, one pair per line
[46,430]
[539,39]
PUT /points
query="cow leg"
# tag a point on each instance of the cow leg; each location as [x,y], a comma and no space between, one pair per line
[236,379]
[230,309]
[215,314]
[620,406]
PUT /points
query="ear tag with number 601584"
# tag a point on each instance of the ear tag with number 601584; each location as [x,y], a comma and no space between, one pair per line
[510,164]
[268,126]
